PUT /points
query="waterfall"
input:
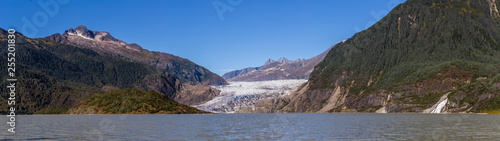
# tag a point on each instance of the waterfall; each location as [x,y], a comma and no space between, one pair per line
[438,107]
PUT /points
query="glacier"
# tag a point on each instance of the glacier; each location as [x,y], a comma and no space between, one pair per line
[239,94]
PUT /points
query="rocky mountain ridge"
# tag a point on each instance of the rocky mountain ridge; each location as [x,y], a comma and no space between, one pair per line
[104,43]
[277,70]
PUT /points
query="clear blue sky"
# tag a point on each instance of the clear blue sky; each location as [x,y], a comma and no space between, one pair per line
[254,31]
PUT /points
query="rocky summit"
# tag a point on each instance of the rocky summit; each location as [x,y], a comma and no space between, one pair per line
[104,43]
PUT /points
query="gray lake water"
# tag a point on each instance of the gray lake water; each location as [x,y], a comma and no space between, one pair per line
[255,127]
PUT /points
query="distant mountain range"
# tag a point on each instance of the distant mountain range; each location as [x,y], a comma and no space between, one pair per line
[277,70]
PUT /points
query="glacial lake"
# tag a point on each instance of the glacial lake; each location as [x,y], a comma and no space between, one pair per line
[255,127]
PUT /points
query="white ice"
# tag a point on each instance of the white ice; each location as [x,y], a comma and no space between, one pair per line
[240,94]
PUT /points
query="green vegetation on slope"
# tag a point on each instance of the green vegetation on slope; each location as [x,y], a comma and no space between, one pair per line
[484,92]
[53,77]
[131,101]
[414,41]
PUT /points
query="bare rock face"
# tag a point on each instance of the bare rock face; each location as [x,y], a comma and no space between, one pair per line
[103,42]
[236,73]
[277,70]
[195,94]
[164,83]
[266,106]
[417,98]
[493,9]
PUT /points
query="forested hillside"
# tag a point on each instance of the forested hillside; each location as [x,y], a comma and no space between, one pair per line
[52,76]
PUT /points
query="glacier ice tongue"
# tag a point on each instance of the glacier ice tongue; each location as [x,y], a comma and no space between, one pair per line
[239,94]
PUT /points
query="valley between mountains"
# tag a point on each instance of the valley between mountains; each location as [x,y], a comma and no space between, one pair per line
[424,56]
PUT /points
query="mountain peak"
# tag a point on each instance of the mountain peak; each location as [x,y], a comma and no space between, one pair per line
[269,61]
[81,28]
[277,70]
[283,60]
[83,32]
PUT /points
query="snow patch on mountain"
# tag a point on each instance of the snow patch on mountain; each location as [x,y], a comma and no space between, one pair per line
[79,34]
[240,94]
